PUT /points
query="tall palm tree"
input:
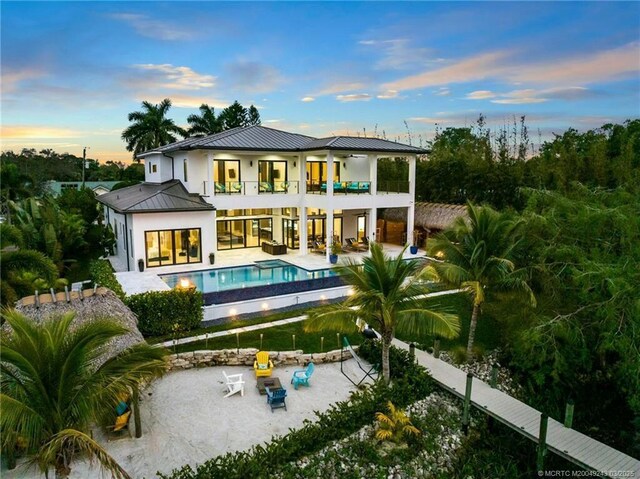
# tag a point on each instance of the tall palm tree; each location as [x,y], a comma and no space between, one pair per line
[388,293]
[206,123]
[477,257]
[151,128]
[57,380]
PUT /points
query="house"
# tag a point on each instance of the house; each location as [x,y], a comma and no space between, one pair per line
[98,187]
[252,185]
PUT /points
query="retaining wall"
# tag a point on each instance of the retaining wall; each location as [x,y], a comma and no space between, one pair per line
[246,356]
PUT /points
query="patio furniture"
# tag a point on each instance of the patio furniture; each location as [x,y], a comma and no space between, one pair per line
[121,423]
[302,376]
[272,383]
[235,384]
[274,249]
[368,369]
[276,398]
[262,365]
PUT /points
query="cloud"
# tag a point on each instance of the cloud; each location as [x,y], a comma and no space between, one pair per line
[12,78]
[36,131]
[398,54]
[529,95]
[341,87]
[167,76]
[442,91]
[480,95]
[183,101]
[606,65]
[254,77]
[158,29]
[388,95]
[308,99]
[428,120]
[354,97]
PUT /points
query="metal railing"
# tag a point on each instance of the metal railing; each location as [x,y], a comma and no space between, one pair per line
[390,187]
[256,187]
[357,187]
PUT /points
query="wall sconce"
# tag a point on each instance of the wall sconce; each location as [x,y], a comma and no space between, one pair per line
[251,163]
[294,163]
[344,165]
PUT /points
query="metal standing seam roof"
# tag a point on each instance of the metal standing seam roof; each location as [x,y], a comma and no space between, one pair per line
[260,138]
[153,197]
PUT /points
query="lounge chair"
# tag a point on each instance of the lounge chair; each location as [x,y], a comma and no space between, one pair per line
[368,370]
[234,384]
[276,398]
[262,365]
[121,423]
[302,376]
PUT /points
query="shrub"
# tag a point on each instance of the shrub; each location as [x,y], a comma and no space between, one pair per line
[164,312]
[102,274]
[341,420]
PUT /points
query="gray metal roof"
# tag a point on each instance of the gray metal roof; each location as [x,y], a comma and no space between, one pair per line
[260,138]
[356,143]
[154,197]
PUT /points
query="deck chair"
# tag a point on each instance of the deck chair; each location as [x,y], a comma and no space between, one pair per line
[276,398]
[262,365]
[302,376]
[120,426]
[234,384]
[368,370]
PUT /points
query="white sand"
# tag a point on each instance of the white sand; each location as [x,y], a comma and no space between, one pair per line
[187,420]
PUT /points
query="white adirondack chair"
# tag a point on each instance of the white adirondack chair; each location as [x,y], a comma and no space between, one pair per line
[234,384]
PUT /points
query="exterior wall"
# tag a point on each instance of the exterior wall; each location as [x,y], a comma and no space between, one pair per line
[354,169]
[205,220]
[119,225]
[163,166]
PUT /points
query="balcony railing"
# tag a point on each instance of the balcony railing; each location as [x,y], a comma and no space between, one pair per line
[340,187]
[391,187]
[256,187]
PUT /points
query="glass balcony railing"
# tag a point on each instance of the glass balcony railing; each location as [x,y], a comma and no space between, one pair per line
[256,187]
[340,187]
[391,187]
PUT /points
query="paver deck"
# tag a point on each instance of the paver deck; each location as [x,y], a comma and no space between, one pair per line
[568,443]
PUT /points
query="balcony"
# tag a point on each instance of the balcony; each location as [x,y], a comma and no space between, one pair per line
[256,187]
[358,187]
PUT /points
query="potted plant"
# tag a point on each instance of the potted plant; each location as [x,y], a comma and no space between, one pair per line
[212,258]
[416,241]
[335,249]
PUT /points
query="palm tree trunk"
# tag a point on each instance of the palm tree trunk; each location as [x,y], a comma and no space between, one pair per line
[386,345]
[62,467]
[472,331]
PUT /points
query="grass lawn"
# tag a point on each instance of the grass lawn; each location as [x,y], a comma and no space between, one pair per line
[279,338]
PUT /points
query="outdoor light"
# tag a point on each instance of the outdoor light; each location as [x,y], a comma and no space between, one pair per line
[323,297]
[439,254]
[233,311]
[350,292]
[185,283]
[265,306]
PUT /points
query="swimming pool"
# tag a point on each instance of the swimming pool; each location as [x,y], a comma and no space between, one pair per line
[263,273]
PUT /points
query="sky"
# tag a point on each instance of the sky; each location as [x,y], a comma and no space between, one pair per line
[72,71]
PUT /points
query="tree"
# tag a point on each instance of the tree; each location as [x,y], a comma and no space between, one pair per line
[57,381]
[253,116]
[204,124]
[151,128]
[389,295]
[477,257]
[234,116]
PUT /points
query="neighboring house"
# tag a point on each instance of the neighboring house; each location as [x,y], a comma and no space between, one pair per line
[247,186]
[98,187]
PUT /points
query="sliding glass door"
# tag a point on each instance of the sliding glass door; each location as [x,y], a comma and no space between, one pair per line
[168,247]
[243,233]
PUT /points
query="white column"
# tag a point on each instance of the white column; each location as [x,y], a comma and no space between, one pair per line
[411,210]
[371,227]
[302,230]
[329,228]
[373,174]
[330,178]
[210,186]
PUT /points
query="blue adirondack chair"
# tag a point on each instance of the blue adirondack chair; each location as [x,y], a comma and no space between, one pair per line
[276,398]
[301,376]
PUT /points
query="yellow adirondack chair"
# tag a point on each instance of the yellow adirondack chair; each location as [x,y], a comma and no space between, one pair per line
[262,365]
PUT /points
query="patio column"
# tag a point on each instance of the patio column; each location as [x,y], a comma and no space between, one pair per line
[330,178]
[329,228]
[411,210]
[371,227]
[373,174]
[210,184]
[302,230]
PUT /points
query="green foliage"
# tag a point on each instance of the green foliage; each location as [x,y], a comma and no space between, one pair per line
[57,381]
[394,426]
[150,128]
[162,312]
[206,123]
[23,271]
[102,274]
[388,295]
[338,422]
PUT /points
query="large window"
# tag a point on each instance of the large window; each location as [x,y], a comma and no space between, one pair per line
[226,176]
[317,175]
[243,233]
[167,247]
[272,176]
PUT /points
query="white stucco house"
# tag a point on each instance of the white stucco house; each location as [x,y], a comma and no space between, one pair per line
[253,185]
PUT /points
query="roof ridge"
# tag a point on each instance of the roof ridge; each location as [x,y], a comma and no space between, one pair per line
[287,132]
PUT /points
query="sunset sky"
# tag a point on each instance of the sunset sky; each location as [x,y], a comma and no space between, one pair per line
[72,71]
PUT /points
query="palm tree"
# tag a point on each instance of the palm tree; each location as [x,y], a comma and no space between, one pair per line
[151,128]
[388,293]
[57,380]
[206,123]
[477,257]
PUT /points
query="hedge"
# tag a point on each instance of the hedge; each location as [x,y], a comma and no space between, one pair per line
[102,274]
[412,383]
[164,312]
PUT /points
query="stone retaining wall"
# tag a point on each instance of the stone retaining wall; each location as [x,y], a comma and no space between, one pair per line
[246,356]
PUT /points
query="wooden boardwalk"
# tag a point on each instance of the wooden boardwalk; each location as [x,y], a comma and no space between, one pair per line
[568,443]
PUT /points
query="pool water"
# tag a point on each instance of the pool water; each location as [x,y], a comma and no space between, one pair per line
[260,274]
